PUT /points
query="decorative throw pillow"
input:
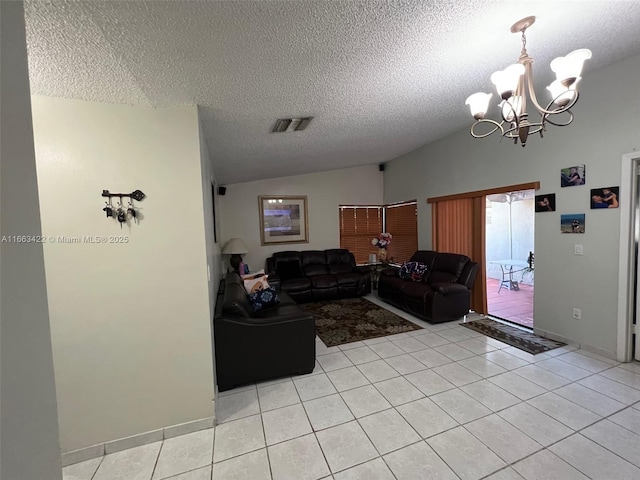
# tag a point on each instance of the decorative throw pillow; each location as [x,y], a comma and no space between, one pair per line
[252,285]
[413,271]
[264,298]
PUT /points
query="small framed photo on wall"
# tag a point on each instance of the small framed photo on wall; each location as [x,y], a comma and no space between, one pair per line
[572,223]
[572,176]
[605,197]
[546,203]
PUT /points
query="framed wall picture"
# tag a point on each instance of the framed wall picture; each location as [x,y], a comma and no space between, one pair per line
[572,176]
[605,197]
[283,219]
[546,203]
[572,223]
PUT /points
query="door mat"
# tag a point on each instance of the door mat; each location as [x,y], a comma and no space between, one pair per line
[354,319]
[527,341]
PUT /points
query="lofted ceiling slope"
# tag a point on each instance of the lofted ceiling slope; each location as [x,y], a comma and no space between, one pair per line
[380,78]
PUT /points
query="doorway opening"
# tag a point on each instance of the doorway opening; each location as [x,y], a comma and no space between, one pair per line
[509,254]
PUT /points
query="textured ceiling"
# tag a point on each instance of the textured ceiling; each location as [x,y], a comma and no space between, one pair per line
[381,78]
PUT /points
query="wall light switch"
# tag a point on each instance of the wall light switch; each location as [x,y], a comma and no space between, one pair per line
[577,249]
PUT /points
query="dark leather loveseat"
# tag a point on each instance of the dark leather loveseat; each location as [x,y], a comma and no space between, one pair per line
[314,275]
[254,346]
[441,295]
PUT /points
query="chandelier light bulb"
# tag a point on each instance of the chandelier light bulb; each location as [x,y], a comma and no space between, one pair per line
[569,67]
[479,104]
[506,81]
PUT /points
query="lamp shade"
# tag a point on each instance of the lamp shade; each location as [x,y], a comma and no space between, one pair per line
[506,81]
[235,246]
[570,66]
[478,103]
[560,94]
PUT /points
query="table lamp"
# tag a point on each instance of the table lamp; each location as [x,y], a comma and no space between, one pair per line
[235,247]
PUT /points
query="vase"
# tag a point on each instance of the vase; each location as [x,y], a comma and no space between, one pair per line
[382,255]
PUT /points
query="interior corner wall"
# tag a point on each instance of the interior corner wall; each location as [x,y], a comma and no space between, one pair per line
[28,413]
[324,191]
[606,126]
[129,305]
[211,208]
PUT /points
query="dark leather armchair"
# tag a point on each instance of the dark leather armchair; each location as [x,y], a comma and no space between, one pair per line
[442,295]
[314,275]
[255,346]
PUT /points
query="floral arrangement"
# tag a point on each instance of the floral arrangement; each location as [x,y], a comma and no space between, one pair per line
[382,240]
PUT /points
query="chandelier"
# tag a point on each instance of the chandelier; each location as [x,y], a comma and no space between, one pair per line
[515,87]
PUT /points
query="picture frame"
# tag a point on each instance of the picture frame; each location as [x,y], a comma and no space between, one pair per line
[572,223]
[213,206]
[605,197]
[545,203]
[283,219]
[573,176]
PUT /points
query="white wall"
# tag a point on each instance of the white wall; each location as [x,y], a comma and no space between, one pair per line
[606,126]
[210,202]
[130,321]
[28,417]
[324,191]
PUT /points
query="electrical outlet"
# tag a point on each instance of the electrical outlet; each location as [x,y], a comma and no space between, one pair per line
[577,249]
[577,313]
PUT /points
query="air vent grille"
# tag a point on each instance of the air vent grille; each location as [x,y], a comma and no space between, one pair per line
[291,124]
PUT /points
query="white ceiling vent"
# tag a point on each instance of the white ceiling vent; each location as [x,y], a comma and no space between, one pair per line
[291,124]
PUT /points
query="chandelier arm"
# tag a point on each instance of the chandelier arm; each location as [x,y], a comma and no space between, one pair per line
[497,126]
[547,118]
[534,100]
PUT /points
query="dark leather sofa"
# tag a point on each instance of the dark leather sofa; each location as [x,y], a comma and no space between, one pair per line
[255,346]
[442,295]
[314,275]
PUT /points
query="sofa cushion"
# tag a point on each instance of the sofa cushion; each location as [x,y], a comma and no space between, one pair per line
[262,299]
[348,278]
[414,271]
[340,268]
[315,269]
[323,281]
[288,269]
[314,262]
[416,290]
[441,277]
[452,263]
[340,260]
[296,284]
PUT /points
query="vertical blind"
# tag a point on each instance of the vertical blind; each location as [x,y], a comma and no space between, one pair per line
[458,227]
[402,223]
[358,225]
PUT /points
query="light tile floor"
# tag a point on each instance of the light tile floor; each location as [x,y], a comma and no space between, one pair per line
[440,403]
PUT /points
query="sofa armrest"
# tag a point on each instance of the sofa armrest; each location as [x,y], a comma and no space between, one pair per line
[449,288]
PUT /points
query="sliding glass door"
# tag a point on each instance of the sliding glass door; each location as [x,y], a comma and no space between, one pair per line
[510,256]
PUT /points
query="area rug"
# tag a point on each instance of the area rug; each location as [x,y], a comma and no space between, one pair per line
[353,319]
[529,342]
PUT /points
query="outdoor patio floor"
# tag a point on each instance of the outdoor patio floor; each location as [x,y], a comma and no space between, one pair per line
[513,305]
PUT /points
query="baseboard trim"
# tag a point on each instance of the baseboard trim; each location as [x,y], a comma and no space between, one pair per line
[95,451]
[569,341]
